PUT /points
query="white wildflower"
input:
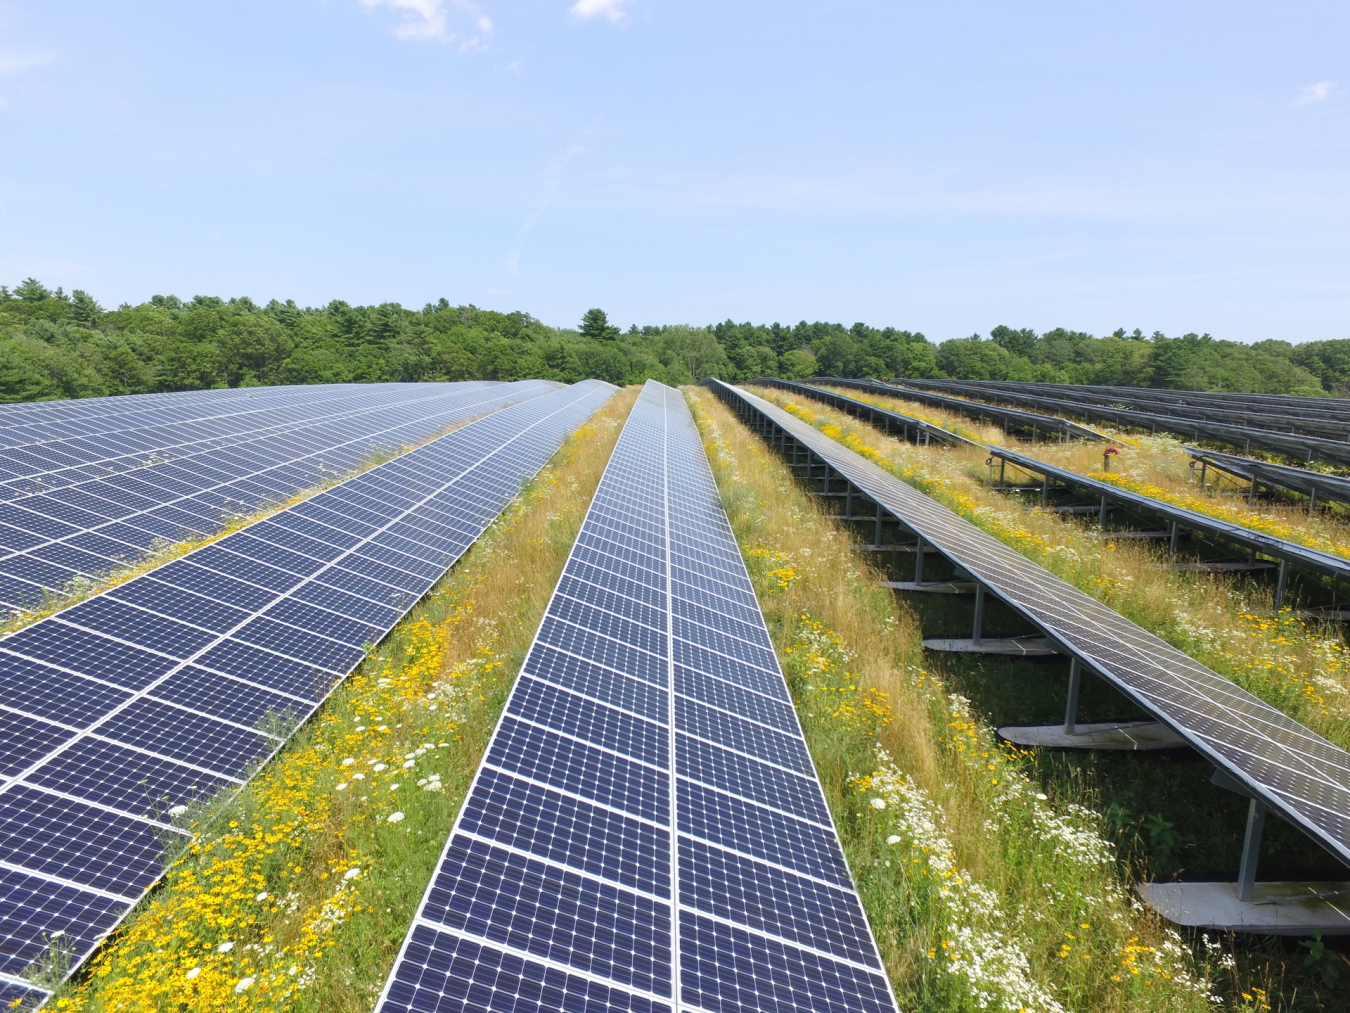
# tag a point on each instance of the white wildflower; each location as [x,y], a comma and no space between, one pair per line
[225,947]
[243,985]
[395,817]
[193,973]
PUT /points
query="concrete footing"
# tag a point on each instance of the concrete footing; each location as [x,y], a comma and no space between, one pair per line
[1276,909]
[1128,736]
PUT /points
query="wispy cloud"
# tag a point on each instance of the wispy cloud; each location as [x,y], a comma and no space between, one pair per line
[17,63]
[430,19]
[1319,92]
[551,177]
[613,10]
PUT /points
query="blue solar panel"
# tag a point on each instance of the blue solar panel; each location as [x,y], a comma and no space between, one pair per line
[82,493]
[161,691]
[648,772]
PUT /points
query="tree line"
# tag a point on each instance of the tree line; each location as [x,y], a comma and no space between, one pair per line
[58,345]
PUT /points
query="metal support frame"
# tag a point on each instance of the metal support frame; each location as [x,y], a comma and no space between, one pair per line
[1173,534]
[978,627]
[918,561]
[1071,705]
[1251,850]
[1101,519]
[1282,584]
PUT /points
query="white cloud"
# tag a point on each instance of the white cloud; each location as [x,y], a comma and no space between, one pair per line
[611,9]
[429,19]
[1319,92]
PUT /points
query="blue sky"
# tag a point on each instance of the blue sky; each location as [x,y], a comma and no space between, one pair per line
[940,167]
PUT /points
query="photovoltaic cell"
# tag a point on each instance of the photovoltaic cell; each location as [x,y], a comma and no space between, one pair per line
[171,687]
[648,772]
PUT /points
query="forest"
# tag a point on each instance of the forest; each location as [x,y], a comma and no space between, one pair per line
[56,345]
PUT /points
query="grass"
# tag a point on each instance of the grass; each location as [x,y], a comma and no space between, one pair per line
[987,885]
[298,891]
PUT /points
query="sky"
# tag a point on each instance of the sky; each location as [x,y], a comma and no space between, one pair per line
[940,167]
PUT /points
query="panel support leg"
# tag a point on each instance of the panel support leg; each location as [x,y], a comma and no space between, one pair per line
[1002,467]
[979,615]
[1071,706]
[1312,503]
[918,561]
[1101,520]
[1251,493]
[1251,850]
[1282,584]
[1172,537]
[1045,489]
[876,540]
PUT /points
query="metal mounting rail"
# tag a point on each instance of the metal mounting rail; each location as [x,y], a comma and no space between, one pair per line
[1294,445]
[1313,484]
[1007,417]
[1283,766]
[891,422]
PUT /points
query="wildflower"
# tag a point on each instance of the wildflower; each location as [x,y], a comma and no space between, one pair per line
[342,786]
[1042,796]
[379,767]
[893,839]
[393,787]
[193,973]
[878,803]
[409,765]
[352,873]
[395,817]
[243,985]
[225,947]
[349,761]
[261,896]
[178,810]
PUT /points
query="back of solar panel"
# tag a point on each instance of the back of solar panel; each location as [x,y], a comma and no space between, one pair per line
[647,822]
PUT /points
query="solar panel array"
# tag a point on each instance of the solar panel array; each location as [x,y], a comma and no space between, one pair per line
[80,494]
[647,827]
[169,687]
[1290,768]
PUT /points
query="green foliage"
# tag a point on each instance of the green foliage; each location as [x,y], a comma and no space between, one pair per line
[54,345]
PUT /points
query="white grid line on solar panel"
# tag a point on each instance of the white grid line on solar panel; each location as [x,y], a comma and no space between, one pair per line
[72,412]
[131,436]
[35,874]
[203,650]
[571,411]
[562,618]
[65,550]
[735,628]
[266,441]
[566,707]
[1143,666]
[578,796]
[569,969]
[12,989]
[94,427]
[790,941]
[596,681]
[572,736]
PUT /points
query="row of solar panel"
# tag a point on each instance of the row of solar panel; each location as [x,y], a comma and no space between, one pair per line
[43,420]
[49,538]
[649,738]
[171,687]
[125,439]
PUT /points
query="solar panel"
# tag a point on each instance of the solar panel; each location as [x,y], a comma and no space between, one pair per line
[647,823]
[1286,766]
[120,708]
[82,504]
